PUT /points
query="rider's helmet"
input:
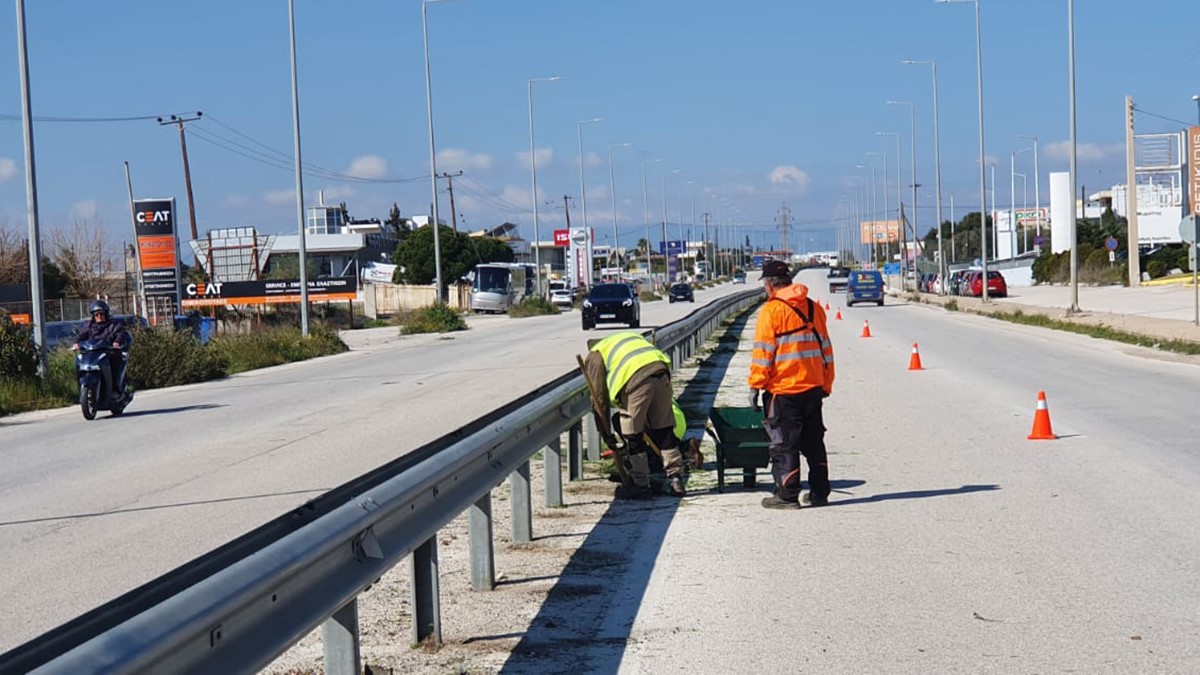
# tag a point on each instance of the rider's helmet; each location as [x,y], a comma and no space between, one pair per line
[99,307]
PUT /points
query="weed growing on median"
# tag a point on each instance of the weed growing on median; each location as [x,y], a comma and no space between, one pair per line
[532,306]
[1100,331]
[437,318]
[649,296]
[951,306]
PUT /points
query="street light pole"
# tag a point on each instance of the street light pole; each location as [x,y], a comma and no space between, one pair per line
[937,152]
[302,253]
[36,290]
[666,244]
[537,250]
[612,181]
[646,215]
[437,238]
[884,242]
[902,242]
[1074,163]
[1037,197]
[587,276]
[982,156]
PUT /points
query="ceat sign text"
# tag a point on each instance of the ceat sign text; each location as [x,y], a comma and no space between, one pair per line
[153,216]
[202,290]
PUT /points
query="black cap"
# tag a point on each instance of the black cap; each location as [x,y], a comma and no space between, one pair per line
[776,268]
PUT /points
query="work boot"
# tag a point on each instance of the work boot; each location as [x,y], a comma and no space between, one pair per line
[774,502]
[675,487]
[808,500]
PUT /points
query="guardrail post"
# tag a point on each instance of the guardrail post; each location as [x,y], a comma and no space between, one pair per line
[339,635]
[426,605]
[479,533]
[552,461]
[593,438]
[575,451]
[522,507]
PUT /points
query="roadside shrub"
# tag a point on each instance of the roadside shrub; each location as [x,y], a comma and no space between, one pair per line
[1156,268]
[262,349]
[18,355]
[532,306]
[649,296]
[161,357]
[436,318]
[951,306]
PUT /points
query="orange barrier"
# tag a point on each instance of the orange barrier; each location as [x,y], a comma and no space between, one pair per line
[866,329]
[914,362]
[839,314]
[1041,421]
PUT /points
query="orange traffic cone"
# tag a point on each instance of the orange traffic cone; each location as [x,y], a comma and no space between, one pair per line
[914,362]
[826,306]
[838,317]
[866,329]
[1041,421]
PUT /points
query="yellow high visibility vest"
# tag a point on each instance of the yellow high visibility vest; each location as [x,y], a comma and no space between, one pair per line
[624,354]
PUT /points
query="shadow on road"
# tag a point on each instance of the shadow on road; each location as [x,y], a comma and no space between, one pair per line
[168,411]
[914,494]
[114,512]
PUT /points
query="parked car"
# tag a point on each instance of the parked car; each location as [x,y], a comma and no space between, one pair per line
[739,277]
[681,292]
[562,298]
[865,286]
[838,277]
[956,282]
[612,303]
[997,286]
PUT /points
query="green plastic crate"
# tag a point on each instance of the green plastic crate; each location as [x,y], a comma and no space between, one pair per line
[741,442]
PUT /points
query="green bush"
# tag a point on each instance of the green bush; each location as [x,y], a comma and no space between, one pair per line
[649,296]
[162,357]
[436,318]
[58,389]
[1156,268]
[18,355]
[268,348]
[532,306]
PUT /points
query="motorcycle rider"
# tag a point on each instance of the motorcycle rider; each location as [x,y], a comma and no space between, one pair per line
[102,327]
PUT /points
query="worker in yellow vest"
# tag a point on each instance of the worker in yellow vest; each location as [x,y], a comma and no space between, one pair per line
[633,377]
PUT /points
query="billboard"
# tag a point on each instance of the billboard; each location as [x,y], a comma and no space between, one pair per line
[1193,168]
[154,227]
[562,237]
[284,291]
[878,231]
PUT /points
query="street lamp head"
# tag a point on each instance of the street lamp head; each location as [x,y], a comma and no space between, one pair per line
[898,102]
[594,119]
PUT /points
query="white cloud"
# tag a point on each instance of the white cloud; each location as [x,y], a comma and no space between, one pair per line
[518,196]
[280,197]
[368,166]
[84,210]
[8,169]
[237,200]
[1088,152]
[788,178]
[544,157]
[457,159]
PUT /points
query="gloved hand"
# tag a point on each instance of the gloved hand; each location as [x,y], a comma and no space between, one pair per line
[754,394]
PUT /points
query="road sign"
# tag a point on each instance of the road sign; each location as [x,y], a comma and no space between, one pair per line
[1187,228]
[1111,244]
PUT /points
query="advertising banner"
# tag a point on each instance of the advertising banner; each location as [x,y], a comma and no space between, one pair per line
[878,231]
[1193,168]
[269,292]
[562,237]
[154,226]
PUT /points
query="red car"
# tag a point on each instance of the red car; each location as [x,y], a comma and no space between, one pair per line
[997,287]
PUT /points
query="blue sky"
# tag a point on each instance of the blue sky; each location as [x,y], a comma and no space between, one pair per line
[759,102]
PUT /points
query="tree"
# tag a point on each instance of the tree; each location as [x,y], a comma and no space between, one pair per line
[394,220]
[79,253]
[14,256]
[460,254]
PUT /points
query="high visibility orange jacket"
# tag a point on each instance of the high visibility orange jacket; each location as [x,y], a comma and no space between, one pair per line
[790,355]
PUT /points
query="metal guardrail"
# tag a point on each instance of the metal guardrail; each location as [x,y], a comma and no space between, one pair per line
[238,607]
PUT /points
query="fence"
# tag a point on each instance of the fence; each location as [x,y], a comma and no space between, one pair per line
[237,608]
[389,299]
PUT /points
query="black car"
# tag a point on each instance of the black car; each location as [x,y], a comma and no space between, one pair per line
[681,292]
[612,303]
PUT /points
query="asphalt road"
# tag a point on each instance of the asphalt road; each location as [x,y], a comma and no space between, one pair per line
[89,510]
[952,543]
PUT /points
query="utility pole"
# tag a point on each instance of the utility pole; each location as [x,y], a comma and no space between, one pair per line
[707,248]
[1131,240]
[179,121]
[783,230]
[450,188]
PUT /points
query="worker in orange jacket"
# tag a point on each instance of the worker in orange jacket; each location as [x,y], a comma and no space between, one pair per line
[792,372]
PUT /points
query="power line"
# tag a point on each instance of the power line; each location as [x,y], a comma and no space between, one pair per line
[5,117]
[1169,119]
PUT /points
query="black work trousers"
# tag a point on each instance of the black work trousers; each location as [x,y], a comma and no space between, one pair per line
[795,426]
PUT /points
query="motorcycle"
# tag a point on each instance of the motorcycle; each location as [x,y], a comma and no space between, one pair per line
[96,364]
